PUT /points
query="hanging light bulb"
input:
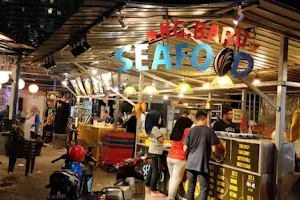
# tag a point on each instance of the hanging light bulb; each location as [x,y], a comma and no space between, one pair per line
[130,90]
[223,81]
[21,84]
[256,80]
[166,97]
[184,88]
[150,90]
[94,71]
[206,85]
[4,77]
[116,89]
[33,88]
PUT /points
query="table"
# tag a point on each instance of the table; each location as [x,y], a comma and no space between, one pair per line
[89,134]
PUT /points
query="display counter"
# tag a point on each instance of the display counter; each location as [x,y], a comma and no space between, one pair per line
[89,134]
[246,172]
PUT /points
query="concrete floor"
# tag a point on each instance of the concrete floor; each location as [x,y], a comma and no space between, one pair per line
[32,187]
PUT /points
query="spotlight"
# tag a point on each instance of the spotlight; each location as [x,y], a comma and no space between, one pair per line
[256,80]
[80,49]
[52,63]
[239,17]
[121,20]
[74,50]
[47,64]
[86,45]
[235,22]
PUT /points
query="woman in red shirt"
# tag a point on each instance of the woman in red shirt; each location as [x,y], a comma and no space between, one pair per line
[177,158]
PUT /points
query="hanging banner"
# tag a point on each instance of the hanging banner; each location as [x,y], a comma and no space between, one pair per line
[80,85]
[162,56]
[88,85]
[75,86]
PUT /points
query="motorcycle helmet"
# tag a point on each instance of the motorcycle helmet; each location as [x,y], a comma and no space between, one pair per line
[77,154]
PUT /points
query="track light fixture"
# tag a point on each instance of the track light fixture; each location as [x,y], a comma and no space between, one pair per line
[86,45]
[74,50]
[49,63]
[80,47]
[239,15]
[52,63]
[121,20]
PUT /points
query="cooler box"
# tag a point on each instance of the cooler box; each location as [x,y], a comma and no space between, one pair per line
[117,147]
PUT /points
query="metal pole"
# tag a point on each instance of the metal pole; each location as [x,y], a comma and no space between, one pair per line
[54,85]
[280,115]
[209,113]
[254,108]
[244,101]
[117,110]
[14,93]
[138,121]
[259,107]
[249,108]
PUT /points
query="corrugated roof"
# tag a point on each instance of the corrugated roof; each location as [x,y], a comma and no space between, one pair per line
[269,21]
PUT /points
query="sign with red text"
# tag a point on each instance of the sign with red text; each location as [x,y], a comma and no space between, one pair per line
[162,51]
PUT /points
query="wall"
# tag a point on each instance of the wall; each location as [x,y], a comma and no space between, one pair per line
[29,100]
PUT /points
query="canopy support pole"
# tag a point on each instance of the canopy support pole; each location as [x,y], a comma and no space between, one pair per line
[280,114]
[138,119]
[117,110]
[13,108]
[244,102]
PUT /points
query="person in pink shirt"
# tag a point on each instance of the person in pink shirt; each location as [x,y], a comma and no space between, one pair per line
[177,158]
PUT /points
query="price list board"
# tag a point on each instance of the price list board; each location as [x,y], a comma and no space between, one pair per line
[245,156]
[240,154]
[231,184]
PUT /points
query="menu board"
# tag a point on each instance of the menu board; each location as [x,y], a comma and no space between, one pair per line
[245,155]
[240,154]
[229,184]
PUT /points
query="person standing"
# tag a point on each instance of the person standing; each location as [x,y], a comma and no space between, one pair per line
[35,127]
[152,124]
[106,117]
[199,143]
[225,124]
[177,158]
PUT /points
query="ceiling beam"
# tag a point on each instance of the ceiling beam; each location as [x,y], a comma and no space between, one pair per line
[236,86]
[154,77]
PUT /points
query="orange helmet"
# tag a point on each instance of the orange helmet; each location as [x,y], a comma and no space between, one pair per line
[77,154]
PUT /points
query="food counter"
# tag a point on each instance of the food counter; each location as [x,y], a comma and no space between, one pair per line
[89,134]
[245,172]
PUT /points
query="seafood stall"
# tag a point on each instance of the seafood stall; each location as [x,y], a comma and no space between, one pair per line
[245,172]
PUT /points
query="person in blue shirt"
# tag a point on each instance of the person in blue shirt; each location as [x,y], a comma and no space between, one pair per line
[36,125]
